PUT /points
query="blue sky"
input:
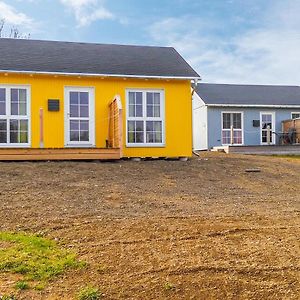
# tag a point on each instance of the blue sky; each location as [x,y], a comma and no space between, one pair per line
[226,41]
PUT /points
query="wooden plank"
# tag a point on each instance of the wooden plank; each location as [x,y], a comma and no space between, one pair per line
[59,154]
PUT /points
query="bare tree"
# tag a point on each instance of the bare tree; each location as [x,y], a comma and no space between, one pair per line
[14,32]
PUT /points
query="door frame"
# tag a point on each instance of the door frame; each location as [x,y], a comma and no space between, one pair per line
[91,91]
[272,113]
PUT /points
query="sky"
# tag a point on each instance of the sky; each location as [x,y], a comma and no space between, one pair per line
[225,41]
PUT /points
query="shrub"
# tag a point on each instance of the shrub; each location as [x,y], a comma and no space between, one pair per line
[22,285]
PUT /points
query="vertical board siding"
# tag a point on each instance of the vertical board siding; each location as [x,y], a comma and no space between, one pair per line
[178,108]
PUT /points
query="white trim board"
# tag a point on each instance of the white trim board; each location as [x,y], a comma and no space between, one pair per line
[101,75]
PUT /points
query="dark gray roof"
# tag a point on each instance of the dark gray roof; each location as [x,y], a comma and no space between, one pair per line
[234,94]
[84,58]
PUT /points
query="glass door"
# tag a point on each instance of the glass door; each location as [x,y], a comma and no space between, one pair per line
[79,117]
[267,128]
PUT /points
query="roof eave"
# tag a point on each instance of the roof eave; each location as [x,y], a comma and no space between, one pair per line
[255,105]
[102,75]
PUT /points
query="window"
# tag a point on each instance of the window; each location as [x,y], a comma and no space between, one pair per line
[296,115]
[145,121]
[14,116]
[232,132]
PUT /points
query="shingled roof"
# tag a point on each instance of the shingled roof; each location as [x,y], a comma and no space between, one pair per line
[92,59]
[248,95]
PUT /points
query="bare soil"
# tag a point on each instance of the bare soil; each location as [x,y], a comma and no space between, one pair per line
[202,229]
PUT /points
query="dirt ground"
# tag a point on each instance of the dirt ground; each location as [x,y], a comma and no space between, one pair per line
[202,229]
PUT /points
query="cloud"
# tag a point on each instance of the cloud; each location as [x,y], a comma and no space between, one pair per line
[14,17]
[267,53]
[88,11]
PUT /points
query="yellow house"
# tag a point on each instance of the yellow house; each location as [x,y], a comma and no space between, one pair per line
[61,100]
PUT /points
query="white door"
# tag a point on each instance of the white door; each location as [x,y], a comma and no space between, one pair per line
[79,117]
[267,120]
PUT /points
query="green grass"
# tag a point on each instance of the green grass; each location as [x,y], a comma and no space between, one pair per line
[89,293]
[22,285]
[36,258]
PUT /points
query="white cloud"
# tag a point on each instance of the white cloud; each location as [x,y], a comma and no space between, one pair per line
[266,54]
[14,17]
[88,11]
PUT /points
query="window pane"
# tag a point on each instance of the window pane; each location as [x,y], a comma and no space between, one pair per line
[23,125]
[131,98]
[139,137]
[149,111]
[156,111]
[139,111]
[84,136]
[139,98]
[19,131]
[296,116]
[131,125]
[225,137]
[84,125]
[131,137]
[22,109]
[14,95]
[237,137]
[3,131]
[226,120]
[154,132]
[84,98]
[150,99]
[156,99]
[74,136]
[74,125]
[74,111]
[84,111]
[131,112]
[139,126]
[237,120]
[74,99]
[2,102]
[18,102]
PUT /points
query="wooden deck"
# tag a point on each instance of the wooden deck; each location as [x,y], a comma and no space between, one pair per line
[262,150]
[24,154]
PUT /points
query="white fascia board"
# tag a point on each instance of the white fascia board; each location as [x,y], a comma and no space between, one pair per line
[100,75]
[253,105]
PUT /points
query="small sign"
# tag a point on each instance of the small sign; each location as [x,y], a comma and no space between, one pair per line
[256,123]
[53,104]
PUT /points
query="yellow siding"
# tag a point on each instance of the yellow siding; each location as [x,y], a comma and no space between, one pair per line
[178,111]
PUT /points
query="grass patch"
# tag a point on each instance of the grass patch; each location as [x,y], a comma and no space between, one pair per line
[22,285]
[35,257]
[89,293]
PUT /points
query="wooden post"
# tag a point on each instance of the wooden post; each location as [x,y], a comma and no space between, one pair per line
[41,128]
[231,135]
[268,134]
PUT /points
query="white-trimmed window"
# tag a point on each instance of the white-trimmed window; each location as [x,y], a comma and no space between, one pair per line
[232,128]
[14,116]
[295,115]
[145,118]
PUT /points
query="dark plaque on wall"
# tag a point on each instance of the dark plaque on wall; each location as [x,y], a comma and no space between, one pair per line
[256,123]
[53,105]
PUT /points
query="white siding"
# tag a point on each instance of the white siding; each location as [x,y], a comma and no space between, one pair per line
[199,124]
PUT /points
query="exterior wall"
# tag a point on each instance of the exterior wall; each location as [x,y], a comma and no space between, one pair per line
[178,110]
[251,134]
[199,124]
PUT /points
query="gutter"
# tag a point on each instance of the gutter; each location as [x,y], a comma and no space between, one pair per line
[254,105]
[100,75]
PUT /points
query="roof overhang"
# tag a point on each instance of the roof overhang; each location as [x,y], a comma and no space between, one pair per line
[255,105]
[101,75]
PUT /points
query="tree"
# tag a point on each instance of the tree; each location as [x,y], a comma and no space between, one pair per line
[13,32]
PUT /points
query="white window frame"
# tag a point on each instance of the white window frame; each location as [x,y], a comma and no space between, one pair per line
[91,119]
[295,112]
[9,116]
[242,125]
[273,127]
[144,118]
